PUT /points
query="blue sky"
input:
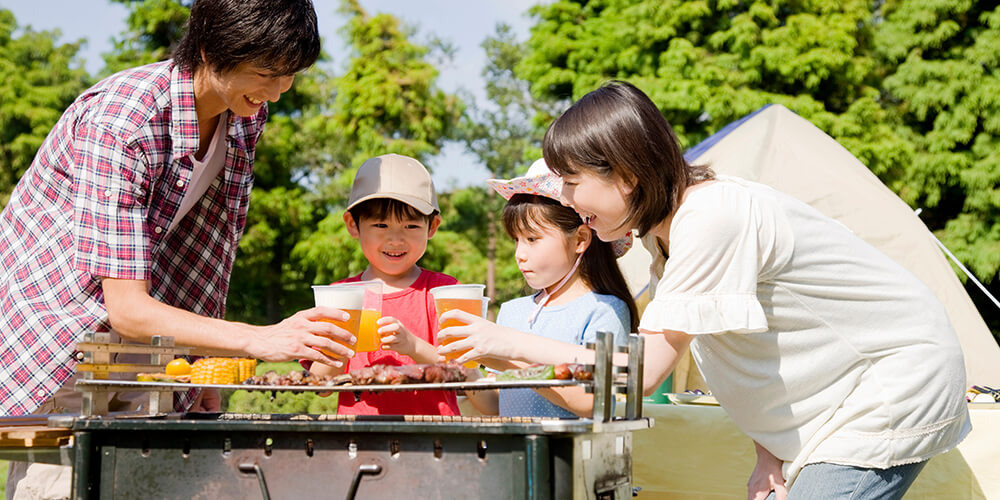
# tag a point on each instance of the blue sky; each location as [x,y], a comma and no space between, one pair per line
[465,23]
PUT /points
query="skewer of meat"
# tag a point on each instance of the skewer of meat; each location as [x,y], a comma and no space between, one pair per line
[370,375]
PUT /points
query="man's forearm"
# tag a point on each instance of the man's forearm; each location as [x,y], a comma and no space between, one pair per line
[137,316]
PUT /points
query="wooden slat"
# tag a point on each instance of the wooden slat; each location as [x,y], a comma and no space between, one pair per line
[131,348]
[214,353]
[117,368]
[149,349]
[33,436]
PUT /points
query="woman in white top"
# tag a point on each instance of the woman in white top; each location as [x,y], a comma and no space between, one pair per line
[839,364]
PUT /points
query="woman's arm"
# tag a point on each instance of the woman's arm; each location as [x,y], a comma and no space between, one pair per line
[487,340]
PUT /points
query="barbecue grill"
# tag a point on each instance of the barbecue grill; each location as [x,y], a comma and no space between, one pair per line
[201,455]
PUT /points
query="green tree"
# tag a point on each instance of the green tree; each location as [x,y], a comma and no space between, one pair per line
[944,80]
[152,29]
[506,136]
[386,102]
[909,87]
[41,79]
[707,63]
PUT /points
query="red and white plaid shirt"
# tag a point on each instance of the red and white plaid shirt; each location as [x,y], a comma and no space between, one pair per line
[97,202]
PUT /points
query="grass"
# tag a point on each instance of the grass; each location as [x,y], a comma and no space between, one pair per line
[3,478]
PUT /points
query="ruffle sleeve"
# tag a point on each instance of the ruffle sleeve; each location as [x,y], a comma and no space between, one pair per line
[701,314]
[723,244]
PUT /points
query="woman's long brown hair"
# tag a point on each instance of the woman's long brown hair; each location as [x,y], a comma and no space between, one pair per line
[618,133]
[599,269]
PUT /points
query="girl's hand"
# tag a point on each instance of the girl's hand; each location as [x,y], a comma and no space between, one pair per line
[766,477]
[396,337]
[483,338]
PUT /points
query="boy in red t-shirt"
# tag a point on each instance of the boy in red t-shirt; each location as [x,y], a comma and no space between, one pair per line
[392,212]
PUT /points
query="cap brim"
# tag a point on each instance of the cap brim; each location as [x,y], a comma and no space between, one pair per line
[420,205]
[549,186]
[503,187]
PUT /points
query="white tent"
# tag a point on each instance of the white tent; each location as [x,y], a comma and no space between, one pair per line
[774,146]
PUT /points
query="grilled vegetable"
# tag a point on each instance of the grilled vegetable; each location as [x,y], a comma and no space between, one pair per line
[178,366]
[580,372]
[533,372]
[162,377]
[247,368]
[222,370]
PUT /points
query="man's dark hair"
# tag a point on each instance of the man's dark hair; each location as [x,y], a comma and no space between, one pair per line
[387,208]
[277,35]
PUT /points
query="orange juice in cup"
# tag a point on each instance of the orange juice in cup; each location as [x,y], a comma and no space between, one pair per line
[468,298]
[371,310]
[347,299]
[368,338]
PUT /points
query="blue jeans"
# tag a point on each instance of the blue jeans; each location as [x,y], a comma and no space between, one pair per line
[842,482]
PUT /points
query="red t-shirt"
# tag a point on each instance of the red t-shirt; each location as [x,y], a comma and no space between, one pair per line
[414,307]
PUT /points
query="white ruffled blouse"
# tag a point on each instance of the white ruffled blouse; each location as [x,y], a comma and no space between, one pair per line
[820,347]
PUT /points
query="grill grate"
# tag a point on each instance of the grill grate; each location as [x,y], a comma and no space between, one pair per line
[380,418]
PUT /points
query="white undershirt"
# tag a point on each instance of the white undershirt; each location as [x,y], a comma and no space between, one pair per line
[204,172]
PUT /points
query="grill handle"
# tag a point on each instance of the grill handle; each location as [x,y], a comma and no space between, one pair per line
[255,469]
[370,469]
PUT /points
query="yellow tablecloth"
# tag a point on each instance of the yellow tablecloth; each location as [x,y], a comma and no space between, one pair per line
[696,452]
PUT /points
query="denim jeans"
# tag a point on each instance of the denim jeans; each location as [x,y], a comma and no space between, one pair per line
[843,482]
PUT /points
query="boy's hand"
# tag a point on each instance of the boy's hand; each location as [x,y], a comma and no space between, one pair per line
[396,337]
[307,334]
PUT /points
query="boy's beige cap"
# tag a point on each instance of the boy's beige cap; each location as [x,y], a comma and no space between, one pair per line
[397,177]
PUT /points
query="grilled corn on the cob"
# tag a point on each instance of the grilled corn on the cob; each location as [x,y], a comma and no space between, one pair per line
[222,370]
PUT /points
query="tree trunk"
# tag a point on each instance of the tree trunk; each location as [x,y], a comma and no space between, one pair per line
[491,259]
[272,293]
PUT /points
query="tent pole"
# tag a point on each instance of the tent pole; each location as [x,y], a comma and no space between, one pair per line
[961,266]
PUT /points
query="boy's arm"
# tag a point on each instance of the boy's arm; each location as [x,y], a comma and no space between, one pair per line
[396,337]
[323,369]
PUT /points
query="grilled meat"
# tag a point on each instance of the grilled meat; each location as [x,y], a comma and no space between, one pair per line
[369,375]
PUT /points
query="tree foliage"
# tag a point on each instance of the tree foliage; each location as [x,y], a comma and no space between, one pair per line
[707,63]
[387,101]
[908,86]
[506,136]
[41,79]
[945,83]
[152,29]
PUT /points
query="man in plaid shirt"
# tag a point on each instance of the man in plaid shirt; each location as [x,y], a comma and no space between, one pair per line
[129,218]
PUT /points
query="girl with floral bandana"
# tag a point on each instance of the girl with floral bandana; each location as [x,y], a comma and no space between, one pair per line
[581,291]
